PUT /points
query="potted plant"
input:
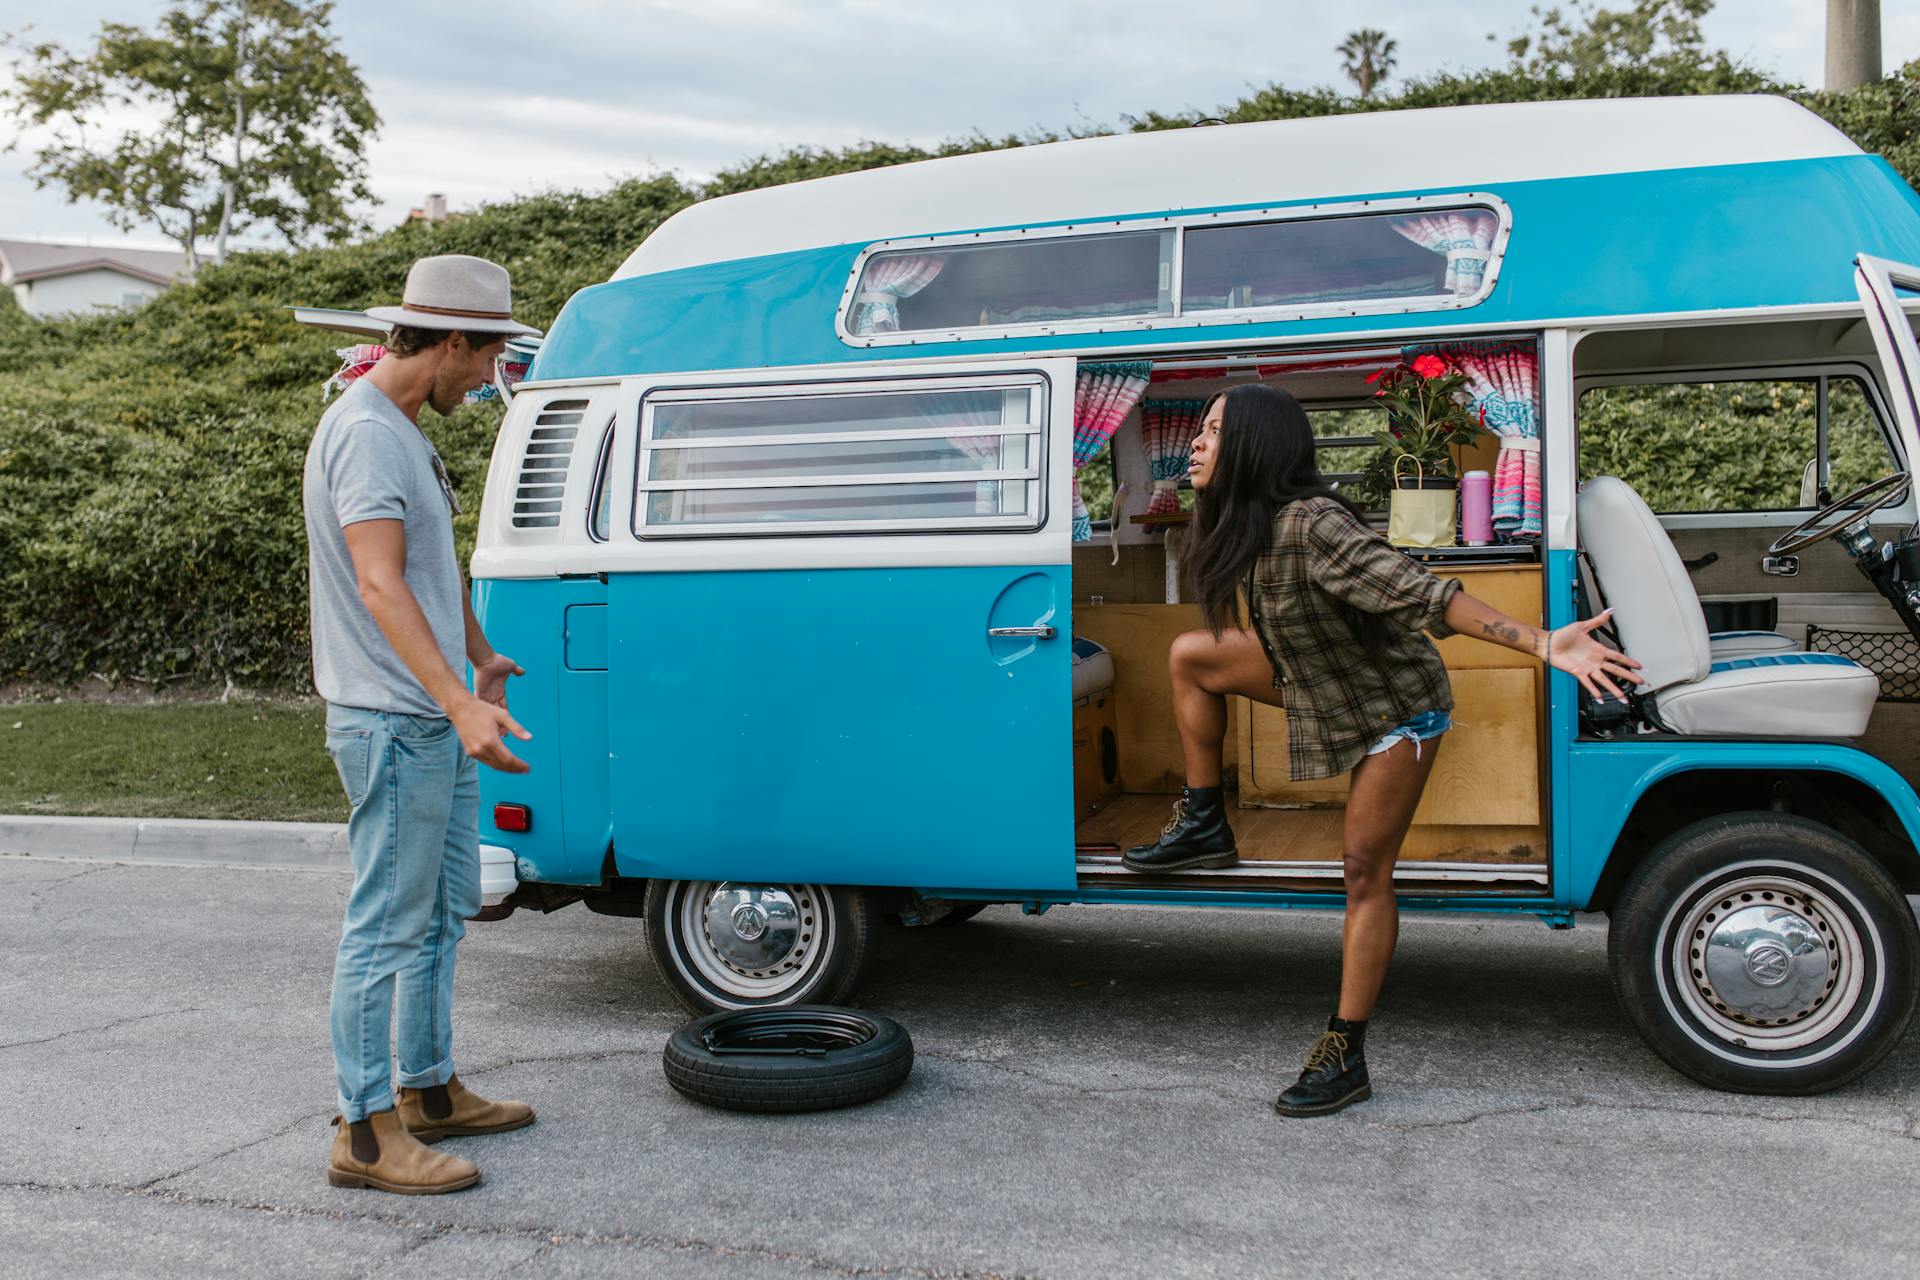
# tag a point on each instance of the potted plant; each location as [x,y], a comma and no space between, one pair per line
[1428,421]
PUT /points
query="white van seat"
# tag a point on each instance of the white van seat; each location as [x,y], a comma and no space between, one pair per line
[1720,644]
[1660,622]
[1785,695]
[1092,669]
[1748,644]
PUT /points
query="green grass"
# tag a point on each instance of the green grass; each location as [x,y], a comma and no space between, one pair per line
[254,761]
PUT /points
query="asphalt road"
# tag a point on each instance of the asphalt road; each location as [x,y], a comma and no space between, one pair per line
[1090,1099]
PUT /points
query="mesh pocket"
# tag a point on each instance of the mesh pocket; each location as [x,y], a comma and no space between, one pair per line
[1894,656]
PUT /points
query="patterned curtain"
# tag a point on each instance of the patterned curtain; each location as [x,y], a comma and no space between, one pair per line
[1464,235]
[971,409]
[354,363]
[1503,382]
[1103,395]
[1167,428]
[876,308]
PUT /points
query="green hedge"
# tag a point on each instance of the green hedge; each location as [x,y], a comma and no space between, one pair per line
[150,462]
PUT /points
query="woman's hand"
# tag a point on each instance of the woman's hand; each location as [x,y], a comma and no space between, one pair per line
[1573,649]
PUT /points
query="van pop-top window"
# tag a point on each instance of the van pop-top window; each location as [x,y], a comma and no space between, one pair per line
[1016,282]
[1361,257]
[940,456]
[1330,259]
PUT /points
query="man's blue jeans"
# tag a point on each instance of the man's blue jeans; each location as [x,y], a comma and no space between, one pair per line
[415,838]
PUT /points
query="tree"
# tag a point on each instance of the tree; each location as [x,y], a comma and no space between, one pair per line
[1367,58]
[1658,35]
[248,114]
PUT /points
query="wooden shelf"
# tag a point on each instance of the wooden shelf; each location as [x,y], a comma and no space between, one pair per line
[1165,520]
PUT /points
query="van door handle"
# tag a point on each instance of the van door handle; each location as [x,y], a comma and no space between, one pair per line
[1043,632]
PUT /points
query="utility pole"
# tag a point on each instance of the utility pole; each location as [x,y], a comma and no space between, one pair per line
[1853,44]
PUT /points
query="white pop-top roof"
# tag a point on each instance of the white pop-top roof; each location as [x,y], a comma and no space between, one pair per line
[1276,162]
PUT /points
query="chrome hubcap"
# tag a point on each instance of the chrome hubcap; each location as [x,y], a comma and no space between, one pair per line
[756,930]
[1767,962]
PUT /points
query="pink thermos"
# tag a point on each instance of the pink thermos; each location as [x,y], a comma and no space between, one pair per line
[1476,508]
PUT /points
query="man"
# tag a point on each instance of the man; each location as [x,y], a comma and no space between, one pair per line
[392,630]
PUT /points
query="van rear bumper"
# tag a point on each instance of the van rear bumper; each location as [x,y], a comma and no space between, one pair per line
[497,876]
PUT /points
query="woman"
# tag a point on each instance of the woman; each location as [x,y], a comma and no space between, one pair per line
[1337,617]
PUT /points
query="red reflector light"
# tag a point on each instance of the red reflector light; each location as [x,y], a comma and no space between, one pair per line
[513,817]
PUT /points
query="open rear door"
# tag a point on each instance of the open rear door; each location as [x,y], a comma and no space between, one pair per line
[1881,284]
[839,625]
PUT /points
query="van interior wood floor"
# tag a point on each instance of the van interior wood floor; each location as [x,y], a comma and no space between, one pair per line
[1307,835]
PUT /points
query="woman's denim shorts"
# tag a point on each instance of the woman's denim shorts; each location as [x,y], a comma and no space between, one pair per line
[1421,728]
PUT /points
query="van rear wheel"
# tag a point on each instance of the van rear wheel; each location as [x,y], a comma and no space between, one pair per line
[1764,953]
[731,945]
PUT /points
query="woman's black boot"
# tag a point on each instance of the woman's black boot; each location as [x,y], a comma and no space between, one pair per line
[1198,836]
[1335,1075]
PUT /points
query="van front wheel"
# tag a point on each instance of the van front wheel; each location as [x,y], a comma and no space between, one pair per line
[731,945]
[1763,953]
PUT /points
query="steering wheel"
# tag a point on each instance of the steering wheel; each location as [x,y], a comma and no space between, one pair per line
[1868,498]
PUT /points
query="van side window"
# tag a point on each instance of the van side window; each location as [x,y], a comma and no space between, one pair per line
[1738,445]
[928,456]
[1856,451]
[600,515]
[1346,452]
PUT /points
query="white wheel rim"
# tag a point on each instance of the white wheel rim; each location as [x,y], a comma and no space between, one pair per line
[730,983]
[1725,1029]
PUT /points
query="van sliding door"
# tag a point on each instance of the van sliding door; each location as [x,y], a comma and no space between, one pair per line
[839,629]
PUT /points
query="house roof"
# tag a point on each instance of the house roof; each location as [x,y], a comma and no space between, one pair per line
[26,260]
[1277,162]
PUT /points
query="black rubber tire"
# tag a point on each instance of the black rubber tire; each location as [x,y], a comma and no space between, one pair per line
[1687,868]
[832,979]
[841,1077]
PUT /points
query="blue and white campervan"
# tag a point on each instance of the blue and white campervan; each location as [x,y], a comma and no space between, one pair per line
[786,527]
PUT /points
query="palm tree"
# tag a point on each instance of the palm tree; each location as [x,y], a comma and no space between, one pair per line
[1369,58]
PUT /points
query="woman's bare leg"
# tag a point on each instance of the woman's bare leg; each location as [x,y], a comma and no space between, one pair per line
[1205,671]
[1386,790]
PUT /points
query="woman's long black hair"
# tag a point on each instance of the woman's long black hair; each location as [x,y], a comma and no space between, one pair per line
[1263,461]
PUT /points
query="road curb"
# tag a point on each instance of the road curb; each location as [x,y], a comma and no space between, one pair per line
[314,846]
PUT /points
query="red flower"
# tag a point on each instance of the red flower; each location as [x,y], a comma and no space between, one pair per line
[1430,366]
[1375,376]
[1378,394]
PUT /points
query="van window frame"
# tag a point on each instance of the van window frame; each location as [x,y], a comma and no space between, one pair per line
[1180,224]
[1784,517]
[1037,429]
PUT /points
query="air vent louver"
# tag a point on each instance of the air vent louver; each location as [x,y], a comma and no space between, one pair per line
[541,485]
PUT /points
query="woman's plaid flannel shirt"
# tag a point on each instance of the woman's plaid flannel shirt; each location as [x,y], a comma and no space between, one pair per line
[1340,699]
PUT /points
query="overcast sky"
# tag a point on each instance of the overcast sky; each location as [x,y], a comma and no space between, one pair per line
[484,99]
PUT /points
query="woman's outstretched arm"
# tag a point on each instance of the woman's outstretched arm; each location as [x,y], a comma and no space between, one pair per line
[1571,649]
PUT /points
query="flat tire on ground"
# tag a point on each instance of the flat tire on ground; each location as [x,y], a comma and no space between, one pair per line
[1765,953]
[733,945]
[800,1058]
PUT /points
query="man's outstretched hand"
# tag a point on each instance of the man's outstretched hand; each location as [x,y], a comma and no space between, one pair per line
[490,679]
[481,726]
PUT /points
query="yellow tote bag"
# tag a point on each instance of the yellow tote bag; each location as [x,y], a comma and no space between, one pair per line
[1419,517]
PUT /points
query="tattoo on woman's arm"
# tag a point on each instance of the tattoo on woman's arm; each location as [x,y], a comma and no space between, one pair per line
[1496,630]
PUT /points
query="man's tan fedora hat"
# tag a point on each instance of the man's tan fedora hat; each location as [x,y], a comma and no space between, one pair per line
[455,291]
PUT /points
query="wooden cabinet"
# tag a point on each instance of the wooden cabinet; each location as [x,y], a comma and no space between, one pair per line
[1486,790]
[1139,637]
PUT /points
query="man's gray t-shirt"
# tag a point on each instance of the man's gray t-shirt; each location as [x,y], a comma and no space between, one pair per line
[368,462]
